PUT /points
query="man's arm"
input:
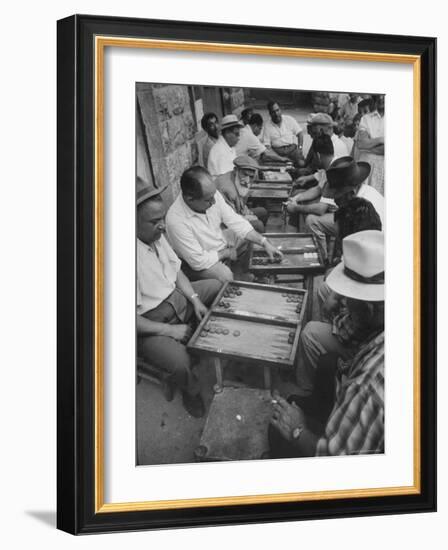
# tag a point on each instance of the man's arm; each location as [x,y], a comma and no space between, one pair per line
[270,154]
[184,285]
[308,195]
[318,208]
[366,142]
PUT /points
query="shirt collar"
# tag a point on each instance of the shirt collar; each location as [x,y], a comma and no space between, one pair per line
[224,142]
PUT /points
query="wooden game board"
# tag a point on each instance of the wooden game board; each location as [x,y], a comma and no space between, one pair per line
[274,177]
[270,191]
[301,255]
[252,322]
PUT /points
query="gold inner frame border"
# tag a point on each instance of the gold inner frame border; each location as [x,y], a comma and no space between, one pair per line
[100,43]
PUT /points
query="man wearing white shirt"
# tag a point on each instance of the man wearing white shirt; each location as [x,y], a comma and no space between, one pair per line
[283,134]
[194,228]
[250,144]
[344,180]
[167,303]
[222,154]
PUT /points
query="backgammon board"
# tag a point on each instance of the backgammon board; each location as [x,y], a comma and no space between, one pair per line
[270,191]
[301,255]
[252,322]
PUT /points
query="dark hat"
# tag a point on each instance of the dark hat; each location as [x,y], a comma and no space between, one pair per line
[345,171]
[145,192]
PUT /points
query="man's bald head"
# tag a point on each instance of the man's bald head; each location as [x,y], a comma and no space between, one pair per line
[198,189]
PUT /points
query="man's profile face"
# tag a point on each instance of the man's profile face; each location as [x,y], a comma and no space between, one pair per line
[322,129]
[151,220]
[212,127]
[247,116]
[276,113]
[232,136]
[207,199]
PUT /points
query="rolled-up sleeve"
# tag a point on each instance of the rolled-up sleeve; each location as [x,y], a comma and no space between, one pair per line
[188,248]
[231,219]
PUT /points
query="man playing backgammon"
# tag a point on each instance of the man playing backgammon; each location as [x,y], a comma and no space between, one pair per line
[167,303]
[195,230]
[234,186]
[345,413]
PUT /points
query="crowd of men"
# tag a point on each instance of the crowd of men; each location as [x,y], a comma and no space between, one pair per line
[185,254]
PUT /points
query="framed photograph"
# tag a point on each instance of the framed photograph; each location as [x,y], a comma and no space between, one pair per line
[246,274]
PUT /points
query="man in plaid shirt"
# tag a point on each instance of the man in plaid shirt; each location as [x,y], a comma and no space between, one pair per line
[345,414]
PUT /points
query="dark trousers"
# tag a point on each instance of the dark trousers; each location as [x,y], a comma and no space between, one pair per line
[317,408]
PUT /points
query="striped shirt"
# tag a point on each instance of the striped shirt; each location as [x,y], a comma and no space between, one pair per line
[356,423]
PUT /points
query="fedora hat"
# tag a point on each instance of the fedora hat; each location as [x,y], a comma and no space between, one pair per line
[246,162]
[145,192]
[229,121]
[345,171]
[360,275]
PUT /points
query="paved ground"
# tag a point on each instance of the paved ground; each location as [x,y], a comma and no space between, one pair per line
[165,431]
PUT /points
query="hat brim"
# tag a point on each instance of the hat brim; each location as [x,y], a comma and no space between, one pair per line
[339,282]
[150,194]
[362,173]
[232,125]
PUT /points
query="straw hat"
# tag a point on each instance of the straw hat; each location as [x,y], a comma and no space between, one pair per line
[360,275]
[229,121]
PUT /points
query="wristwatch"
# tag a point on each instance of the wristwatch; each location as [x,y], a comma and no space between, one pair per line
[297,432]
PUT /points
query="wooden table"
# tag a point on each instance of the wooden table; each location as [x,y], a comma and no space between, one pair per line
[254,323]
[269,193]
[301,256]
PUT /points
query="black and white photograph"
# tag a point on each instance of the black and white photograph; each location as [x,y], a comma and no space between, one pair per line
[259,273]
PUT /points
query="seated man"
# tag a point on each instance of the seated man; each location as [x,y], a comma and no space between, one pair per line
[345,180]
[194,226]
[209,123]
[355,421]
[323,124]
[234,187]
[167,303]
[250,144]
[283,134]
[222,154]
[336,333]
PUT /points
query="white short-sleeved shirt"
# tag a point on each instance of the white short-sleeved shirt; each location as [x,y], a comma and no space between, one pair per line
[220,158]
[157,270]
[373,124]
[339,147]
[197,238]
[279,135]
[249,144]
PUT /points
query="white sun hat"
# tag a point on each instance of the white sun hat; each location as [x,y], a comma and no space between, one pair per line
[360,275]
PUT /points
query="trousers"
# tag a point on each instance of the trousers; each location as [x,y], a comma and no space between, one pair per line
[321,227]
[168,354]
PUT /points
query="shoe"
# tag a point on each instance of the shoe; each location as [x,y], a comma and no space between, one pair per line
[194,405]
[168,390]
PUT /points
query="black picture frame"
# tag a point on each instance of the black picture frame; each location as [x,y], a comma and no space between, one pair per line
[76,511]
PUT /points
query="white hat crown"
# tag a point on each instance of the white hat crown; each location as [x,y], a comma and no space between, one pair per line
[363,253]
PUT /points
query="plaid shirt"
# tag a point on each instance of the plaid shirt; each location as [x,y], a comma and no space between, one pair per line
[356,424]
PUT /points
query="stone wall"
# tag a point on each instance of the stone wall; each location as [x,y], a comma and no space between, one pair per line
[170,131]
[172,135]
